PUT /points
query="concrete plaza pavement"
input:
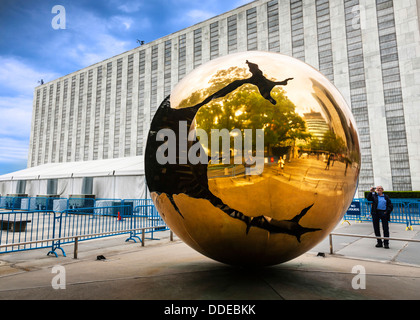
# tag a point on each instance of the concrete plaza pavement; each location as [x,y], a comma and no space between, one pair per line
[170,270]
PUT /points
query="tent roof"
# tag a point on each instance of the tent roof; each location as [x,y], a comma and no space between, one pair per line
[93,168]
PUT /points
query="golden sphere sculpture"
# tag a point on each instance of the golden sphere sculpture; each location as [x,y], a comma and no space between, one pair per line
[253,159]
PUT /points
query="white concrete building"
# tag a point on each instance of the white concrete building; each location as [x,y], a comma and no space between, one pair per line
[370,49]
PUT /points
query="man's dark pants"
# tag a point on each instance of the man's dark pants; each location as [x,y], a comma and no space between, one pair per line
[376,217]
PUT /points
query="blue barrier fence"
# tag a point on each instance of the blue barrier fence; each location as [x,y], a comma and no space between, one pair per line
[42,203]
[41,228]
[406,211]
[94,218]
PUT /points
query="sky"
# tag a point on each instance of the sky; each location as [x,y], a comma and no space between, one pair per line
[41,41]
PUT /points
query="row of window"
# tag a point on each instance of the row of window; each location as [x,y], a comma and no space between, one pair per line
[129,105]
[117,119]
[273,26]
[88,111]
[298,42]
[80,106]
[397,139]
[141,97]
[325,55]
[97,113]
[358,94]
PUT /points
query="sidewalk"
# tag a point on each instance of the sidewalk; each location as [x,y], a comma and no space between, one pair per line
[165,270]
[400,252]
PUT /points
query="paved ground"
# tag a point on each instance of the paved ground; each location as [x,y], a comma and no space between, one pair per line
[169,271]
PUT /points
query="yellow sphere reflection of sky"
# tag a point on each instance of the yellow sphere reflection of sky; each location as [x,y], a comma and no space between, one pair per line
[311,162]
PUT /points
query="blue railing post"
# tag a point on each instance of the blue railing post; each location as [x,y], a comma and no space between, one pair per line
[133,225]
[408,217]
[56,243]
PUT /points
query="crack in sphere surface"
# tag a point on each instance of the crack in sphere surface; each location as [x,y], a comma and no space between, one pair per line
[253,159]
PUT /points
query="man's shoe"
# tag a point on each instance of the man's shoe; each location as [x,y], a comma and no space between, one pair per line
[378,245]
[386,246]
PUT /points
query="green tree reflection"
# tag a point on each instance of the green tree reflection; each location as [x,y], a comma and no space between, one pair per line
[245,108]
[333,143]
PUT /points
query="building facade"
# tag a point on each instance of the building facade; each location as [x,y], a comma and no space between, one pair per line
[370,50]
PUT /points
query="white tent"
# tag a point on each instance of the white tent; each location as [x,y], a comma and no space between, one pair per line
[120,178]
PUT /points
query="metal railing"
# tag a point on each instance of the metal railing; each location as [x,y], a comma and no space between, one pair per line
[406,211]
[363,236]
[91,236]
[43,203]
[27,230]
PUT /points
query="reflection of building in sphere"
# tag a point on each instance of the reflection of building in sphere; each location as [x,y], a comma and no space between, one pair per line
[316,124]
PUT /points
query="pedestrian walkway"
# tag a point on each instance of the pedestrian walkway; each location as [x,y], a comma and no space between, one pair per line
[170,270]
[401,252]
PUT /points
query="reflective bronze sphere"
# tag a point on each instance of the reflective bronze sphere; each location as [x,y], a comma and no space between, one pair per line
[253,159]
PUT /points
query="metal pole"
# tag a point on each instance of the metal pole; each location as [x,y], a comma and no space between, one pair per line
[331,244]
[171,235]
[142,237]
[76,245]
[373,237]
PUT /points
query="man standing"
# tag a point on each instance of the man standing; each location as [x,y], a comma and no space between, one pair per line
[381,210]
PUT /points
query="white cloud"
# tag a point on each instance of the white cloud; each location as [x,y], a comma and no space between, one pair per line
[104,47]
[130,7]
[191,12]
[197,15]
[117,22]
[17,83]
[191,17]
[12,150]
[16,116]
[17,77]
[240,3]
[127,24]
[92,38]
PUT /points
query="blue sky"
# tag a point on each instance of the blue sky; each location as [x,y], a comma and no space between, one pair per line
[31,49]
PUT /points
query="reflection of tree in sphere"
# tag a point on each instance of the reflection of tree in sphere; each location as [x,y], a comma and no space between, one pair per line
[228,210]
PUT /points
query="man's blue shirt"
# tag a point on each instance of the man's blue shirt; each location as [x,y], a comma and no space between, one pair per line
[381,203]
